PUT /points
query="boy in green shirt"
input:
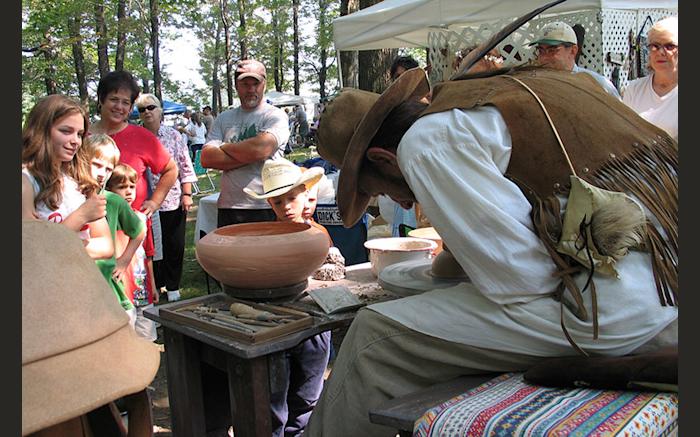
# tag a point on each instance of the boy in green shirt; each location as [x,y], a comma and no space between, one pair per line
[103,155]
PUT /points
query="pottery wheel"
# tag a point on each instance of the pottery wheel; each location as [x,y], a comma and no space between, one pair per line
[266,293]
[413,277]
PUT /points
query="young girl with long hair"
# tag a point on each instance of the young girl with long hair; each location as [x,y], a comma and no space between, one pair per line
[56,180]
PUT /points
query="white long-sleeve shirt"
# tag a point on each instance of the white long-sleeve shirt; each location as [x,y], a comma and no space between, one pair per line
[454,162]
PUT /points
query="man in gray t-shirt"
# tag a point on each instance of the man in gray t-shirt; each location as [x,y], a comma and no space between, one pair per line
[239,142]
[207,117]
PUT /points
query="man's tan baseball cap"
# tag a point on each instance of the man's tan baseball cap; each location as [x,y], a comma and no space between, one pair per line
[556,33]
[250,68]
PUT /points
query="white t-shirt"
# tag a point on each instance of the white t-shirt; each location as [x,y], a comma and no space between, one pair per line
[235,125]
[454,163]
[72,199]
[659,110]
[199,132]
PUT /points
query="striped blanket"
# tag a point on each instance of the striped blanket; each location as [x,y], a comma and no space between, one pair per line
[509,406]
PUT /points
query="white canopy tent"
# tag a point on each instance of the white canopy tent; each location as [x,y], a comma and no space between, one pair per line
[282,99]
[446,26]
[407,23]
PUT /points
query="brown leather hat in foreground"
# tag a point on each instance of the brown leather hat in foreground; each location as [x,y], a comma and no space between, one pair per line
[78,350]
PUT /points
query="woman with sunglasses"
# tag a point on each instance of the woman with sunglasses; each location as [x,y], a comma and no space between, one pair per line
[173,210]
[655,97]
[139,148]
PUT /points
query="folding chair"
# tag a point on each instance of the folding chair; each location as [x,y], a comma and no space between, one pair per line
[199,171]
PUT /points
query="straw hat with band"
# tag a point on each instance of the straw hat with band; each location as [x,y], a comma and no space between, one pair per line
[78,350]
[348,124]
[280,176]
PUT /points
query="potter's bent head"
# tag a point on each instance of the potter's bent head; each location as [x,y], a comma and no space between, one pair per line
[348,124]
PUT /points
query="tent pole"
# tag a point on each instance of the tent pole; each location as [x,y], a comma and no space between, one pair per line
[340,69]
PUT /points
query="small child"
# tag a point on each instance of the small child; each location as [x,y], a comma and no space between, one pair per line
[136,271]
[333,268]
[286,188]
[103,154]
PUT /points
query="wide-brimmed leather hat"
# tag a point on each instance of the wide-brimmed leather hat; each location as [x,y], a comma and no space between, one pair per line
[348,124]
[78,350]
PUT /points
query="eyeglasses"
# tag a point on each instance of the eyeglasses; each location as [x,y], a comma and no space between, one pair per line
[549,50]
[669,47]
[142,109]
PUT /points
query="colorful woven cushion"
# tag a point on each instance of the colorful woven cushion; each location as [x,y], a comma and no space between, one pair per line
[509,406]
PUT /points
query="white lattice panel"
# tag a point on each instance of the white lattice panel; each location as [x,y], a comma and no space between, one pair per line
[606,31]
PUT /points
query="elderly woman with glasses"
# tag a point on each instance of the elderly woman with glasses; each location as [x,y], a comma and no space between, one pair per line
[173,210]
[655,97]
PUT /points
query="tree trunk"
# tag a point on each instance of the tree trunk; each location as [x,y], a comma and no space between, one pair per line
[324,28]
[223,4]
[78,59]
[349,59]
[295,27]
[50,70]
[322,74]
[219,99]
[276,58]
[101,30]
[215,84]
[121,35]
[242,38]
[373,65]
[155,48]
[145,87]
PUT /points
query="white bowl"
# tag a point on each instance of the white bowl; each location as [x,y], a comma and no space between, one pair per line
[387,251]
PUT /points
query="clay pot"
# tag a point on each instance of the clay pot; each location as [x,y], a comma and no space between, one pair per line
[387,251]
[262,255]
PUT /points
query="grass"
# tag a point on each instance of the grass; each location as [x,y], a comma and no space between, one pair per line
[194,283]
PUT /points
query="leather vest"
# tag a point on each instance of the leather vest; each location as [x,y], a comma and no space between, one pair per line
[607,144]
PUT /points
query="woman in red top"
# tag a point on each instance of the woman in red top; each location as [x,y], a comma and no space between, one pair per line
[139,148]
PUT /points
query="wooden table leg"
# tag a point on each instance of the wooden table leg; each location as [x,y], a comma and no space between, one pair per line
[249,388]
[184,385]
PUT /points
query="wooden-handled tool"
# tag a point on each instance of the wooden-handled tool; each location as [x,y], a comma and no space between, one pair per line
[244,311]
[227,320]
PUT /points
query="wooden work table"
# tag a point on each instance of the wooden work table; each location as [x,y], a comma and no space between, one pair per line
[250,368]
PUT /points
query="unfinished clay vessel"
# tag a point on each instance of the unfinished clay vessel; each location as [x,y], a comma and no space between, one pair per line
[262,256]
[384,252]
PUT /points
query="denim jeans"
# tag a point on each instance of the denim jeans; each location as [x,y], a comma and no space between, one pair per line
[293,400]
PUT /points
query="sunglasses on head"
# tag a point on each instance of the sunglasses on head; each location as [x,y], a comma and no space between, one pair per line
[143,109]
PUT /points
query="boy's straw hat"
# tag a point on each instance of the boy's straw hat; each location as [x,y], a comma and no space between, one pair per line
[280,176]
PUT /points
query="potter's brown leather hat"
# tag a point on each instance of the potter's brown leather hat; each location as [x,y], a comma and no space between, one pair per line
[348,124]
[78,350]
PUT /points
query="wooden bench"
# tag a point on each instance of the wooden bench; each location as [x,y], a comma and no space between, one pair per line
[508,401]
[401,412]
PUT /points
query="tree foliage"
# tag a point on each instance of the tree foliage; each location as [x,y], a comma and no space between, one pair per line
[67,45]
